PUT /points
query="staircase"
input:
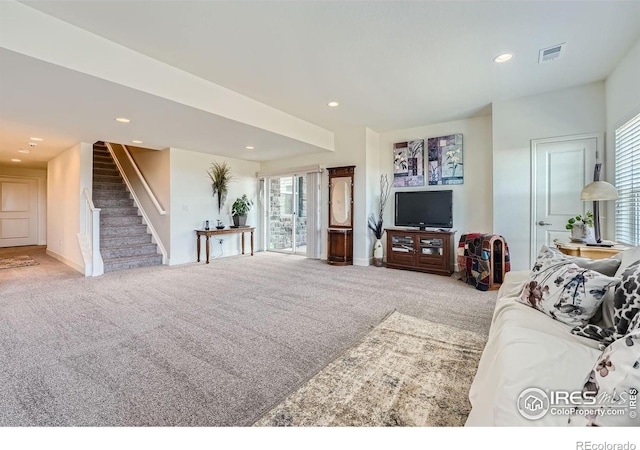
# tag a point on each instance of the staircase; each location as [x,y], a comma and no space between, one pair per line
[124,241]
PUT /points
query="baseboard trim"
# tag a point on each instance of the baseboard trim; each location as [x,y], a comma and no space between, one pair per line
[66,261]
[361,261]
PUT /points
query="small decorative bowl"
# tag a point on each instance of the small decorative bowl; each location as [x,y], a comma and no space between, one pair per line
[219,227]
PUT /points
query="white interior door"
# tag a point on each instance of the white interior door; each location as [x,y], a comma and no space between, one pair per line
[18,212]
[562,167]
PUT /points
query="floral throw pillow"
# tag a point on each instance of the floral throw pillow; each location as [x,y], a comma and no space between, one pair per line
[626,310]
[564,291]
[610,392]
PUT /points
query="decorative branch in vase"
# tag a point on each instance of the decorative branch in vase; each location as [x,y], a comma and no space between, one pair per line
[220,174]
[375,223]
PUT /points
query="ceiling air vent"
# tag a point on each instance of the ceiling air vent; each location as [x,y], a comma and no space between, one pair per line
[551,53]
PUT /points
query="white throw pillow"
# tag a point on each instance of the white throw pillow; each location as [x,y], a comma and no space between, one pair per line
[613,386]
[564,291]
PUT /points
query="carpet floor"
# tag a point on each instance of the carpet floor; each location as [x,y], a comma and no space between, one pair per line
[197,344]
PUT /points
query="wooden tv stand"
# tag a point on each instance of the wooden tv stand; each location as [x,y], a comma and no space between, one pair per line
[424,251]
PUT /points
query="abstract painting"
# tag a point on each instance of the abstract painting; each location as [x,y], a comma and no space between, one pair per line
[408,164]
[445,160]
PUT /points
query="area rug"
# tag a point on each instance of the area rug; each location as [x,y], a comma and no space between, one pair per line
[406,372]
[17,261]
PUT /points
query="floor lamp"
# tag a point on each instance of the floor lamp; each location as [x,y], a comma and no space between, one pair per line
[596,192]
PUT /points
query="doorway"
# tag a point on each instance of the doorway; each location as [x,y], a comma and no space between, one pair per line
[287,214]
[560,167]
[18,212]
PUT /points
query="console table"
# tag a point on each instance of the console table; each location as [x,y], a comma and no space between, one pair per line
[209,233]
[588,251]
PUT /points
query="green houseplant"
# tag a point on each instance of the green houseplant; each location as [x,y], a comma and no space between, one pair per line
[240,209]
[220,174]
[577,220]
[581,227]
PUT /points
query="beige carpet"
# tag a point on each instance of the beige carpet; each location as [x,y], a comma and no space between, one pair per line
[17,261]
[406,372]
[198,344]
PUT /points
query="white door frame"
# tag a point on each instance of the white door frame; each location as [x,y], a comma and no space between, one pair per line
[38,217]
[314,208]
[294,215]
[599,137]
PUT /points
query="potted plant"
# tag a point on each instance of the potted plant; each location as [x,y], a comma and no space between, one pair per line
[239,210]
[581,227]
[220,174]
[375,223]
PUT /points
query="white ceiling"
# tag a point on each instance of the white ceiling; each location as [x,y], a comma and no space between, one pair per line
[390,64]
[66,107]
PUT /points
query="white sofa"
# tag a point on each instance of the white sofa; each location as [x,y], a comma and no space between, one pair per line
[528,349]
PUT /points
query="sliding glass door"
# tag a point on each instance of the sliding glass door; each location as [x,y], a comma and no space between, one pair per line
[287,214]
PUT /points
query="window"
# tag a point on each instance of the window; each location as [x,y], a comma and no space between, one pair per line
[286,195]
[628,182]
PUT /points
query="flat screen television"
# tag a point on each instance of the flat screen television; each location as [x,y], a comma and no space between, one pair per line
[424,209]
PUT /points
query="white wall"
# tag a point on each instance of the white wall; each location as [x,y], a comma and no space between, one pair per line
[373,173]
[350,149]
[516,122]
[472,201]
[192,202]
[155,167]
[41,176]
[68,175]
[623,102]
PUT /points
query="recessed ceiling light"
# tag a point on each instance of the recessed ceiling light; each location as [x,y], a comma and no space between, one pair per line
[15,160]
[22,150]
[122,120]
[333,104]
[36,139]
[249,147]
[136,142]
[503,58]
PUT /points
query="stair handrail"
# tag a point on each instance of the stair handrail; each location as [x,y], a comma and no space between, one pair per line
[92,231]
[146,186]
[154,233]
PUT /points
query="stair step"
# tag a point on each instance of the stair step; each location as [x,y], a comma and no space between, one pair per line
[119,241]
[103,170]
[106,194]
[131,262]
[123,230]
[99,178]
[108,186]
[106,221]
[128,250]
[97,172]
[104,203]
[119,211]
[124,240]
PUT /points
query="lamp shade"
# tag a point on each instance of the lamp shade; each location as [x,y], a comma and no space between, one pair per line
[599,190]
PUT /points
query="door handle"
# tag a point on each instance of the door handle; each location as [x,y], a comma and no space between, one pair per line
[542,223]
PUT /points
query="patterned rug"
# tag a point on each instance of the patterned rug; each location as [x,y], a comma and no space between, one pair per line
[406,372]
[17,261]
